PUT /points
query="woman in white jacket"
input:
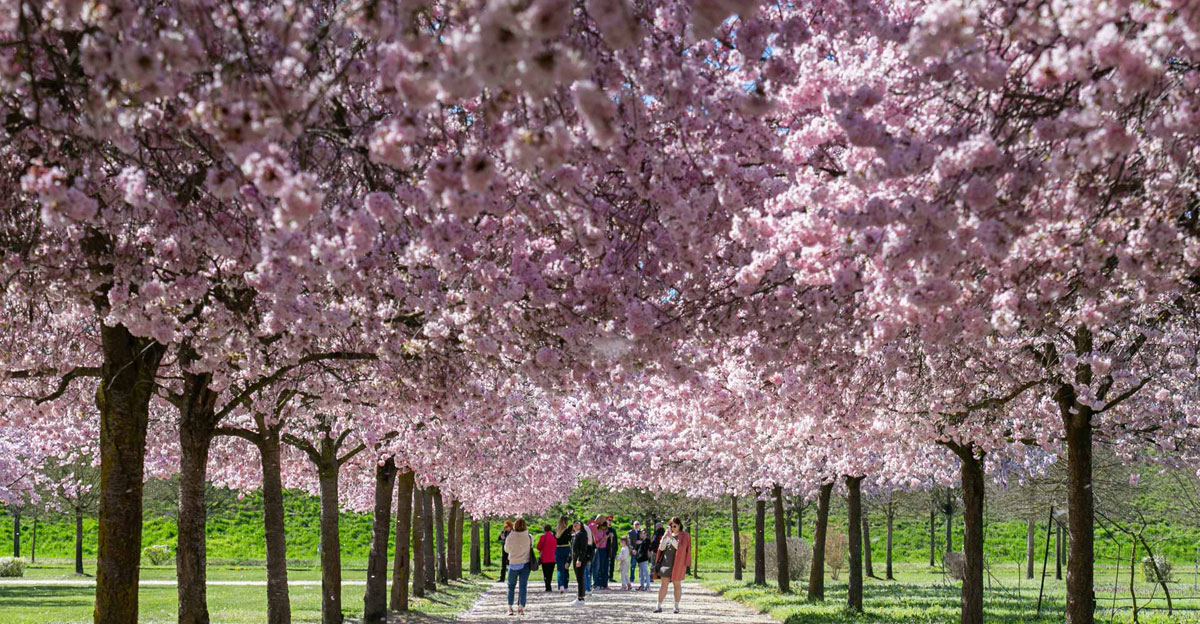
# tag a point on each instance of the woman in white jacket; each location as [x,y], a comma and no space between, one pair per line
[519,548]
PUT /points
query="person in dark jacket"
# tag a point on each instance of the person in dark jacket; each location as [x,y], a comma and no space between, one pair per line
[508,528]
[613,545]
[562,552]
[635,543]
[659,531]
[581,544]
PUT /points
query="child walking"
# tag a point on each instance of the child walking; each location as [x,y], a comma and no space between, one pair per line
[623,560]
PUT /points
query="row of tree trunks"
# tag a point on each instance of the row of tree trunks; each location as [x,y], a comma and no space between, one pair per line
[375,599]
[400,562]
[737,541]
[760,548]
[866,521]
[456,537]
[783,572]
[816,574]
[197,428]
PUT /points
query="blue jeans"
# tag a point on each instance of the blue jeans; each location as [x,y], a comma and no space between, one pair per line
[644,573]
[562,559]
[588,571]
[601,569]
[514,576]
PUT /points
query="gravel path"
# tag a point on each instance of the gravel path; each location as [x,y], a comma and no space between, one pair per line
[699,606]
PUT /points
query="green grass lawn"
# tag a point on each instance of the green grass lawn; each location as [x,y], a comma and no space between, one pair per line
[227,604]
[920,595]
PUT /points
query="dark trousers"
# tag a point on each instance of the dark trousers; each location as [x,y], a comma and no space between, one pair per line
[503,566]
[612,566]
[580,570]
[548,573]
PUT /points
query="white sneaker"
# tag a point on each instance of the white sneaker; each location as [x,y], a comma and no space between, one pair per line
[577,603]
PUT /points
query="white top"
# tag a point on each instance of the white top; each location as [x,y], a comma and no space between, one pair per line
[623,555]
[517,545]
[668,540]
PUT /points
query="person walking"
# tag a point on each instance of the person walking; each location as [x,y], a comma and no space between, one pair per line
[581,548]
[623,562]
[518,545]
[674,553]
[562,552]
[643,561]
[508,529]
[546,548]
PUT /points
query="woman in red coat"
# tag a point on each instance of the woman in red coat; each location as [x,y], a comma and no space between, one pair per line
[671,563]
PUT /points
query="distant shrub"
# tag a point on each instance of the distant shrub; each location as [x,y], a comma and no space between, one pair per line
[956,565]
[1163,575]
[799,559]
[11,567]
[158,554]
[836,547]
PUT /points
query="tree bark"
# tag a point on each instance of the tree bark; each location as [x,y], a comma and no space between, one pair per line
[197,424]
[476,566]
[737,541]
[33,541]
[783,573]
[891,520]
[331,547]
[973,497]
[866,537]
[376,595]
[1058,548]
[1077,424]
[949,531]
[800,518]
[427,541]
[79,540]
[760,549]
[439,523]
[816,575]
[400,563]
[1030,541]
[456,538]
[418,542]
[854,594]
[279,603]
[127,384]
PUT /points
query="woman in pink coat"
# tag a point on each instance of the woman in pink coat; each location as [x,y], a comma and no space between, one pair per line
[671,562]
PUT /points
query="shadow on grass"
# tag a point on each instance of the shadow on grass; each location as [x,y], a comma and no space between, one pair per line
[43,597]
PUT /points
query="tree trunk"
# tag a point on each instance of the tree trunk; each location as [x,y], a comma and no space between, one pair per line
[400,562]
[376,595]
[760,548]
[737,541]
[1030,541]
[456,540]
[127,384]
[418,542]
[973,496]
[33,542]
[487,543]
[439,524]
[79,540]
[696,547]
[1077,423]
[196,429]
[891,518]
[800,518]
[427,540]
[783,573]
[476,566]
[279,603]
[869,567]
[1058,548]
[854,511]
[16,531]
[331,547]
[932,542]
[949,531]
[816,575]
